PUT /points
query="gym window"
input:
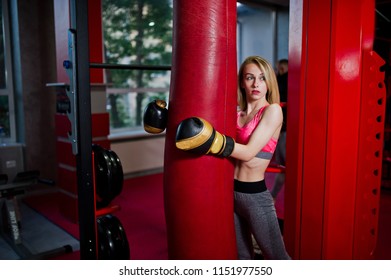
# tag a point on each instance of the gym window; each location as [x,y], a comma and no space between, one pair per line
[7,115]
[136,33]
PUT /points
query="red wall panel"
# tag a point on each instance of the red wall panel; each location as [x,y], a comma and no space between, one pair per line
[62,25]
[330,210]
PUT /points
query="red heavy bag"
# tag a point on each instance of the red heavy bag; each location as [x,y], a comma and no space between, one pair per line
[198,190]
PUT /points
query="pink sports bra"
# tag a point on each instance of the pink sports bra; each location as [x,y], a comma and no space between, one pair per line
[243,135]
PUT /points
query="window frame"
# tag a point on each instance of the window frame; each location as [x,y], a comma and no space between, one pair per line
[9,88]
[132,131]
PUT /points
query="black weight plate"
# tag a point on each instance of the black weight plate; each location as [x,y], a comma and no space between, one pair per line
[112,241]
[109,162]
[117,174]
[112,182]
[102,176]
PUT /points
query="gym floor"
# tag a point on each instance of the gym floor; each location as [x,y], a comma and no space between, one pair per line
[39,242]
[145,227]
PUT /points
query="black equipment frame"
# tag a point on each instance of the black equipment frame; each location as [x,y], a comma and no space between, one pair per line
[86,199]
[82,104]
[129,66]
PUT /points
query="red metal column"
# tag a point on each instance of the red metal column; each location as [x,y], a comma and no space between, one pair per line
[199,189]
[328,40]
[369,163]
[343,128]
[309,60]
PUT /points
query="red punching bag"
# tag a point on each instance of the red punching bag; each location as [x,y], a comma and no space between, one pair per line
[198,190]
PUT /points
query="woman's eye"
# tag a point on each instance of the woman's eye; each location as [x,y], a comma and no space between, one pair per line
[249,78]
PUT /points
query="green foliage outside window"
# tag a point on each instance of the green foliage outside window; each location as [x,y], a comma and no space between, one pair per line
[136,32]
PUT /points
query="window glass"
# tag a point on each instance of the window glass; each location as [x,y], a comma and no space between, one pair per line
[2,54]
[138,33]
[7,117]
[4,118]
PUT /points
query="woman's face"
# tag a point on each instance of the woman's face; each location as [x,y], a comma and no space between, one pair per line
[253,82]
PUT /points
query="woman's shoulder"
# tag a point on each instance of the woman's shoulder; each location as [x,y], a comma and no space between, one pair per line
[274,107]
[273,110]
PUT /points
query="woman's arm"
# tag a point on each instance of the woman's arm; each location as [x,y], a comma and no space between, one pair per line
[268,127]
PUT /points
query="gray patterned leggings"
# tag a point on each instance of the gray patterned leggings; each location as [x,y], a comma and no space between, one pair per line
[255,214]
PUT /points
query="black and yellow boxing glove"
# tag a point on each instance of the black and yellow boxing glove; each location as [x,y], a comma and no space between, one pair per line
[197,135]
[155,117]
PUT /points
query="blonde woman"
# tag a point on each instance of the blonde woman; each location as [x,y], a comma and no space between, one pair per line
[259,124]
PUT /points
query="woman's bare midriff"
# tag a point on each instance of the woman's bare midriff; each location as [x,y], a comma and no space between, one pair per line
[252,170]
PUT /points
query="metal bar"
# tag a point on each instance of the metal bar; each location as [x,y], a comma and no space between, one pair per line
[129,66]
[134,90]
[86,201]
[71,68]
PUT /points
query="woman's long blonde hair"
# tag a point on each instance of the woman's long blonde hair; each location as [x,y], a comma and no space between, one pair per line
[272,95]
